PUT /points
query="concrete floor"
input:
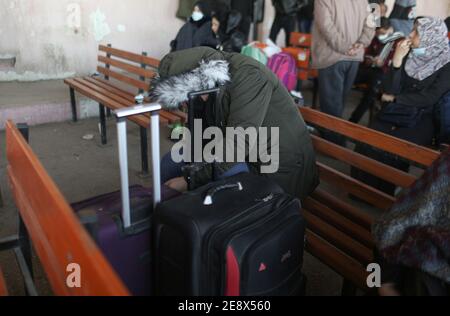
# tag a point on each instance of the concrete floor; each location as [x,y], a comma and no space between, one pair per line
[83,169]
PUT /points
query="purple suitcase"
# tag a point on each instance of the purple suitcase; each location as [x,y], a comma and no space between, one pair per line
[122,230]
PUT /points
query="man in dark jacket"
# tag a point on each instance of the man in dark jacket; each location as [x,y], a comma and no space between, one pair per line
[251,97]
[285,18]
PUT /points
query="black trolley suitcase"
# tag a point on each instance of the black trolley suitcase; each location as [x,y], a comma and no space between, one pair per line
[239,237]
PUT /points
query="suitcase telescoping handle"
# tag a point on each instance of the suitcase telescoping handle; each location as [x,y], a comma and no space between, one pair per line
[122,115]
[210,195]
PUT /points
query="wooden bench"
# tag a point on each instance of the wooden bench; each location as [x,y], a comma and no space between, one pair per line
[58,237]
[339,233]
[3,289]
[123,76]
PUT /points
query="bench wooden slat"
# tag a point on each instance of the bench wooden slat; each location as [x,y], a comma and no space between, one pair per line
[181,114]
[345,209]
[130,68]
[3,289]
[173,118]
[108,85]
[57,235]
[361,234]
[349,268]
[126,102]
[100,98]
[355,187]
[128,80]
[338,239]
[140,59]
[409,151]
[385,172]
[129,97]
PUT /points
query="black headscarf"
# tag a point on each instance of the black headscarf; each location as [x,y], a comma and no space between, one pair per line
[205,9]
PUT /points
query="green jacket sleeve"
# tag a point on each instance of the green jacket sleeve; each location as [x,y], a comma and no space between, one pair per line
[250,97]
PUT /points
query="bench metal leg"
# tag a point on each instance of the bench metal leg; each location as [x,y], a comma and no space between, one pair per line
[108,112]
[25,260]
[24,238]
[348,289]
[27,273]
[103,124]
[73,103]
[144,151]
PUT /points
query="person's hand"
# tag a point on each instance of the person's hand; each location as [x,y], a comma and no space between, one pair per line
[177,184]
[355,49]
[368,61]
[378,62]
[388,98]
[401,52]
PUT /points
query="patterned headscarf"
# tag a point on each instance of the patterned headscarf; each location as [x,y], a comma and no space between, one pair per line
[433,36]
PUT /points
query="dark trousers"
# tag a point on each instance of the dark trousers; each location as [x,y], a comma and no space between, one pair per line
[422,134]
[304,25]
[245,26]
[374,78]
[335,83]
[171,170]
[283,22]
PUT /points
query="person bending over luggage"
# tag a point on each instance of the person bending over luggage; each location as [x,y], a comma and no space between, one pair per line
[418,79]
[251,96]
[198,31]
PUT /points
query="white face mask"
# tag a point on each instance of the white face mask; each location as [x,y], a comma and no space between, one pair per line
[383,37]
[197,16]
[419,51]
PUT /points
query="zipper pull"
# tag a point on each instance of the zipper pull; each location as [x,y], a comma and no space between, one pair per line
[268,198]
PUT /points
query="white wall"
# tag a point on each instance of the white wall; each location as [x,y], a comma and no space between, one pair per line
[38,32]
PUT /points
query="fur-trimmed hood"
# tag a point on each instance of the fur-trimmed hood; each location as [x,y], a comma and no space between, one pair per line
[174,90]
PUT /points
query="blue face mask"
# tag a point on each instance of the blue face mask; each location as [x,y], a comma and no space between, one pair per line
[419,51]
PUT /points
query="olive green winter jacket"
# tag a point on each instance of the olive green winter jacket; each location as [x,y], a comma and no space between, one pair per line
[252,96]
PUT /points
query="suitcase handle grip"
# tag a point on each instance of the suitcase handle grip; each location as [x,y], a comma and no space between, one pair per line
[210,195]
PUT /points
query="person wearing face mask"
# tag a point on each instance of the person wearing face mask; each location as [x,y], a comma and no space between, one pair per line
[198,31]
[376,65]
[419,77]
